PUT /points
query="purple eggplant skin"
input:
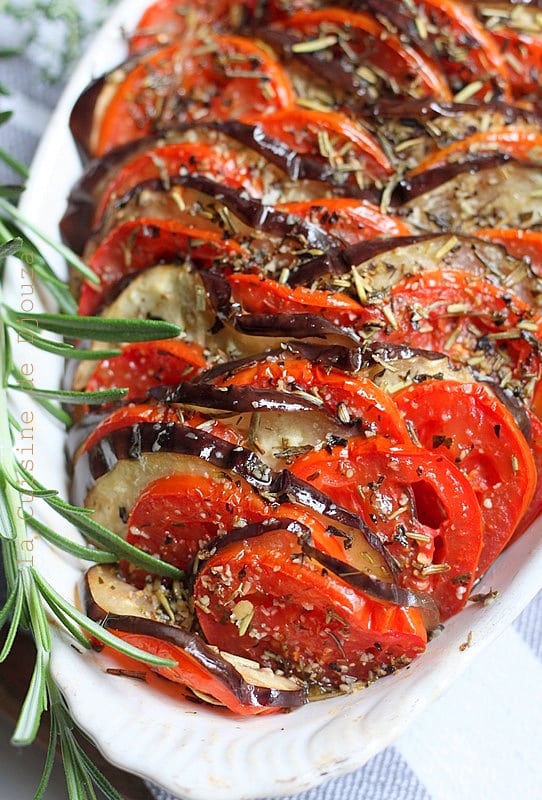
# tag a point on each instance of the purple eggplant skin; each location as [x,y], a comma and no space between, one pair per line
[252,213]
[76,224]
[384,591]
[291,325]
[429,108]
[83,115]
[410,188]
[348,358]
[238,399]
[191,643]
[340,260]
[382,263]
[354,359]
[146,437]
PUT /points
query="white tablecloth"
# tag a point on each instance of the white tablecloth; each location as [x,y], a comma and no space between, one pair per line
[482,740]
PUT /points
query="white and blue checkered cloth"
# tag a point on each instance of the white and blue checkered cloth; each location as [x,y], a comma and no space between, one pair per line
[482,740]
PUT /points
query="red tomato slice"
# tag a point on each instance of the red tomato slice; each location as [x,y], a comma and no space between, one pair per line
[263,600]
[177,515]
[190,672]
[332,135]
[391,65]
[522,54]
[167,161]
[535,508]
[517,242]
[221,77]
[467,53]
[419,504]
[135,413]
[143,365]
[473,321]
[167,20]
[259,295]
[350,398]
[129,415]
[140,243]
[348,220]
[466,424]
[522,143]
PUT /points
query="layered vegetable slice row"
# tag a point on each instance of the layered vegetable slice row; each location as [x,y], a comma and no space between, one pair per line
[339,208]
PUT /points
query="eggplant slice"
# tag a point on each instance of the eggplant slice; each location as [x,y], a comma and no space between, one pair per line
[117,606]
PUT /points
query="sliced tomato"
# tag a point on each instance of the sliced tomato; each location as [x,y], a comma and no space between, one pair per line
[190,672]
[262,599]
[143,365]
[352,152]
[473,321]
[526,244]
[140,243]
[535,508]
[467,53]
[469,426]
[220,77]
[376,60]
[177,515]
[135,413]
[347,219]
[419,504]
[335,539]
[517,32]
[353,399]
[259,295]
[523,56]
[520,142]
[128,415]
[169,160]
[167,20]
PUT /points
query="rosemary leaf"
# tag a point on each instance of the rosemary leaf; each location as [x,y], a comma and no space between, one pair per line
[81,518]
[50,757]
[36,610]
[11,191]
[78,780]
[51,408]
[10,247]
[34,705]
[34,492]
[36,265]
[8,525]
[14,163]
[35,485]
[14,624]
[8,605]
[54,598]
[71,627]
[101,328]
[100,780]
[72,548]
[105,538]
[62,349]
[9,560]
[75,398]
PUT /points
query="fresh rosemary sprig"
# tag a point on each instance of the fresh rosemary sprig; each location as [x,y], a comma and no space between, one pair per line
[31,599]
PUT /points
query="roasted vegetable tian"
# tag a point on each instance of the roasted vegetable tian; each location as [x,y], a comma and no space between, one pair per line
[341,209]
